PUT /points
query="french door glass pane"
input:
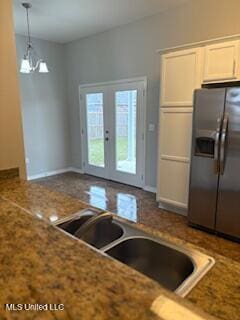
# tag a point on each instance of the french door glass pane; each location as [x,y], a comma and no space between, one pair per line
[95,129]
[126,114]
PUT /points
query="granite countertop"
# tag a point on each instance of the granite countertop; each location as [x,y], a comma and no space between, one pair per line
[40,264]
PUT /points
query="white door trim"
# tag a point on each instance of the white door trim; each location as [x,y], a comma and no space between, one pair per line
[112,83]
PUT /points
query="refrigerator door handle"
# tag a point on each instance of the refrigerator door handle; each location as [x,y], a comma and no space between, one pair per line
[223,144]
[216,146]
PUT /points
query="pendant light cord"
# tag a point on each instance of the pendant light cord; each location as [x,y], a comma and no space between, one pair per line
[28,27]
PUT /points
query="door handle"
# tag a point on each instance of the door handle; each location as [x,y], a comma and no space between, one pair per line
[216,146]
[223,144]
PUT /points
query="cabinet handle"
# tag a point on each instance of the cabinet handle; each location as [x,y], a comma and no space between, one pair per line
[234,67]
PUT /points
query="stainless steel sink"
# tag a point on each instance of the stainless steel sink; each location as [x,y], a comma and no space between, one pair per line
[72,224]
[102,233]
[176,268]
[157,261]
[98,235]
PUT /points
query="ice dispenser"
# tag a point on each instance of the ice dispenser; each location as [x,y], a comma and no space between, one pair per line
[205,143]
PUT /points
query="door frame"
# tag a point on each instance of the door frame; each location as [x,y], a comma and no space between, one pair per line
[143,124]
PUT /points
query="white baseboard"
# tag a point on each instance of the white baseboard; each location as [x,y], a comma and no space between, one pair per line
[53,173]
[150,189]
[72,169]
[172,208]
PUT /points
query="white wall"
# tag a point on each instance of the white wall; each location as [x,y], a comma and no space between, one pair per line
[130,51]
[45,110]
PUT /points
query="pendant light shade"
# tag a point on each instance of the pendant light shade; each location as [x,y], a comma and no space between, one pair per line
[43,67]
[31,62]
[25,66]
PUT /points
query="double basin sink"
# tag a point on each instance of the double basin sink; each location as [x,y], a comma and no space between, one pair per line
[175,267]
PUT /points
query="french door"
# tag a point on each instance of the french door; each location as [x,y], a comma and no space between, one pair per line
[112,120]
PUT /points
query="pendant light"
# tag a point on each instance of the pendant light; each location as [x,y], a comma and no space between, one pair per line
[31,62]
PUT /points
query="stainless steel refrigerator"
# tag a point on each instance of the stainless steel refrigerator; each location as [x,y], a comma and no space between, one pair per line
[214,196]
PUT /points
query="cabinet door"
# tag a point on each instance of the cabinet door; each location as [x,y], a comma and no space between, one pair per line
[181,74]
[174,156]
[221,62]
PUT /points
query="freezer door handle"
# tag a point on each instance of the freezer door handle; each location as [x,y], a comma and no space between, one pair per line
[216,146]
[223,144]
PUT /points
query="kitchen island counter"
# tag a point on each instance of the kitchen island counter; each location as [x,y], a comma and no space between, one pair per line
[40,264]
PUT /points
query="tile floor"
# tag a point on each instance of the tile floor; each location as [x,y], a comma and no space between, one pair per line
[138,206]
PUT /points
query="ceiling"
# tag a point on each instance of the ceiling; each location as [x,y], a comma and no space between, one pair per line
[67,20]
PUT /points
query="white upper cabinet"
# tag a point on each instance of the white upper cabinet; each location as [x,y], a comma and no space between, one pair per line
[181,74]
[222,62]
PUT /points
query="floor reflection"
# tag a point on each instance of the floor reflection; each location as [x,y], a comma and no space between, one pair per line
[125,205]
[97,197]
